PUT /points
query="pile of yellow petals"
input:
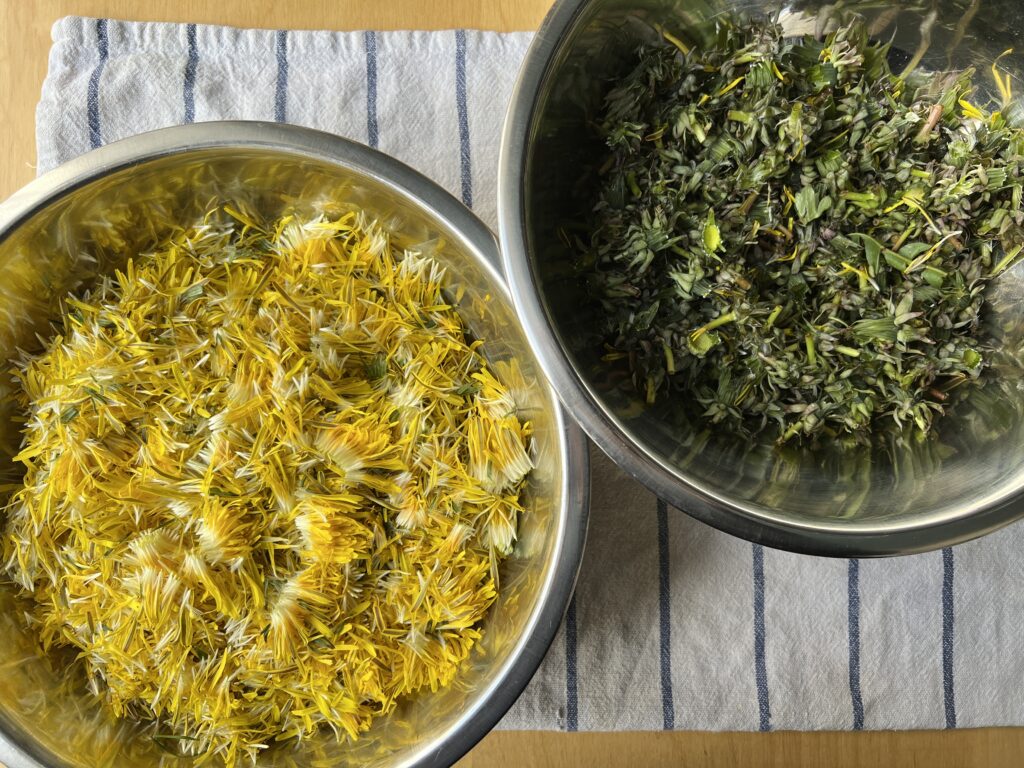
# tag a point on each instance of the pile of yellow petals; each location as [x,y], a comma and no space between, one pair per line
[268,483]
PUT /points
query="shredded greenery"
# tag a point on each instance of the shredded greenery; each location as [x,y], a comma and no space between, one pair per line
[796,238]
[268,483]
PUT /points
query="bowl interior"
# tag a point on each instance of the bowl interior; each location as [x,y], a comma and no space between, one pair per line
[63,244]
[976,461]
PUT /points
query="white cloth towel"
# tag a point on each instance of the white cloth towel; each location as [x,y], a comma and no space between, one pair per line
[674,625]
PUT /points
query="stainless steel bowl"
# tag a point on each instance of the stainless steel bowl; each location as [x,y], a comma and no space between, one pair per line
[100,206]
[892,500]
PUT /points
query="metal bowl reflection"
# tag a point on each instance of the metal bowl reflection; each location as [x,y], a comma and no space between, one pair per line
[892,499]
[62,230]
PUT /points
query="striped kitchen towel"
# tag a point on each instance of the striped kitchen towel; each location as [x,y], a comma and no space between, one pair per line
[674,625]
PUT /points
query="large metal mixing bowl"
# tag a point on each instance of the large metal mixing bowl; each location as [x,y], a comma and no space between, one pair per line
[61,230]
[893,499]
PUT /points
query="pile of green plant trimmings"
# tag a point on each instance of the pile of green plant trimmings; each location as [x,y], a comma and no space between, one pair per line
[795,236]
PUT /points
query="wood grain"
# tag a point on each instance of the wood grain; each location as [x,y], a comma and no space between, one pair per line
[982,748]
[24,42]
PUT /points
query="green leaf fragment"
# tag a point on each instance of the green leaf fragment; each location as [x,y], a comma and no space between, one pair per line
[712,235]
[971,358]
[377,368]
[700,344]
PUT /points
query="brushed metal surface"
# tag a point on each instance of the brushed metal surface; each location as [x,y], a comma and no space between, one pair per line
[895,499]
[63,229]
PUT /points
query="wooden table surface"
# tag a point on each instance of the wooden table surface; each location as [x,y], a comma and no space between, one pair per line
[24,42]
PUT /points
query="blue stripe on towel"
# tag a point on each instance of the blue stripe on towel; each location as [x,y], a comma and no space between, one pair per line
[372,129]
[572,711]
[191,65]
[462,101]
[853,617]
[93,96]
[948,692]
[281,91]
[668,712]
[760,668]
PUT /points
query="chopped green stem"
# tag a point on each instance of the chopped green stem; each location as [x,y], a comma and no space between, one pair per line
[718,322]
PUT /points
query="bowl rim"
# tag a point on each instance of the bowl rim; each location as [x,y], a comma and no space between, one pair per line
[873,538]
[493,700]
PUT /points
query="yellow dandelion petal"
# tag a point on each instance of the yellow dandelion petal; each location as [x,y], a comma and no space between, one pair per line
[268,480]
